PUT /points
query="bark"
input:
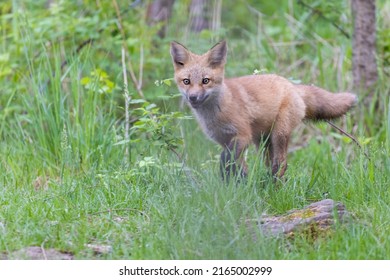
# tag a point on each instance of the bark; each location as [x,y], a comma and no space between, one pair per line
[217,14]
[199,15]
[315,219]
[365,72]
[159,11]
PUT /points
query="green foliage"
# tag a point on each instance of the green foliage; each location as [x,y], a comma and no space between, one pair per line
[66,180]
[98,82]
[159,128]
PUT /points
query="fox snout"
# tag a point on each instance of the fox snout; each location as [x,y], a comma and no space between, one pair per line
[196,99]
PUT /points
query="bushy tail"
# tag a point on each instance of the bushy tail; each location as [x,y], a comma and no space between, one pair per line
[324,105]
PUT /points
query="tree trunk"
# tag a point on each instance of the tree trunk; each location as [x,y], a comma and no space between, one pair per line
[365,72]
[199,15]
[160,11]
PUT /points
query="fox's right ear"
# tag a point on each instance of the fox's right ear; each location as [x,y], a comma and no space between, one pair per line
[217,54]
[179,53]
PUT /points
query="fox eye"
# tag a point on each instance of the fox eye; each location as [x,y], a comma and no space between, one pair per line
[205,81]
[186,81]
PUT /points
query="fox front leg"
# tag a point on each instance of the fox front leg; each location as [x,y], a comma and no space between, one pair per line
[232,162]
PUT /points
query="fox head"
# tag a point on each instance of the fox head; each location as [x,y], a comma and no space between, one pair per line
[199,77]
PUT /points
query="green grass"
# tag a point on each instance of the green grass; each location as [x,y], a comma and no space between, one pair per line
[65,181]
[156,212]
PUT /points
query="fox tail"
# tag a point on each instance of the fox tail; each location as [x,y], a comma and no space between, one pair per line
[324,105]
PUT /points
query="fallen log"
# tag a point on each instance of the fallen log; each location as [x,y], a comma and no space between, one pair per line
[314,218]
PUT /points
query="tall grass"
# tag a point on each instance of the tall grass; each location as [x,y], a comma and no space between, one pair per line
[67,124]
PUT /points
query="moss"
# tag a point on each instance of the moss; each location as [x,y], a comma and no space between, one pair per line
[300,214]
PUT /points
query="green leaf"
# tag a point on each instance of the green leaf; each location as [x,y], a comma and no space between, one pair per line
[132,41]
[365,140]
[151,106]
[136,101]
[4,57]
[85,81]
[110,84]
[168,82]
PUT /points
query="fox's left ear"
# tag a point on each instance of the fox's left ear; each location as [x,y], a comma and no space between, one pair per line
[217,54]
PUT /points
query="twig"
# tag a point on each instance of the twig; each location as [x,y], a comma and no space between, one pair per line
[43,249]
[127,99]
[121,209]
[141,68]
[133,77]
[318,12]
[131,69]
[349,136]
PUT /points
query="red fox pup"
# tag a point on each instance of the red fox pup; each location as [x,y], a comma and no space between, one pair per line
[237,111]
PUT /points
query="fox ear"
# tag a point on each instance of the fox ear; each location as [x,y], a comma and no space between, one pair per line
[217,54]
[179,54]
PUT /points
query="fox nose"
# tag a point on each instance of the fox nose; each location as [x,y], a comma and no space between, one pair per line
[193,98]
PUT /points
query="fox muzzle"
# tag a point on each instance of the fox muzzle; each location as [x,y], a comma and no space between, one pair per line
[196,100]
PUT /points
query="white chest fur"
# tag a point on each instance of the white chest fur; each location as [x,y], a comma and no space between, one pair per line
[217,128]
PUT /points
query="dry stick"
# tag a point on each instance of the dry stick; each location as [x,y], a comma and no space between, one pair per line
[141,68]
[43,249]
[349,136]
[133,77]
[127,99]
[132,74]
[120,209]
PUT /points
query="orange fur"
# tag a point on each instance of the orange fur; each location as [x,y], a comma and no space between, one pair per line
[238,111]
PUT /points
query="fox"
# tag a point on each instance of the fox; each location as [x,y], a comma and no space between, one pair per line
[236,112]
